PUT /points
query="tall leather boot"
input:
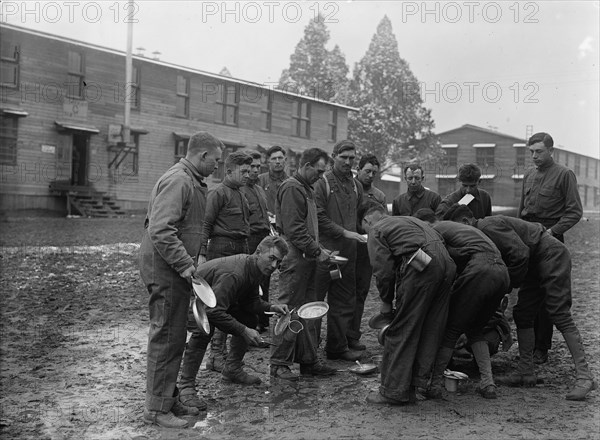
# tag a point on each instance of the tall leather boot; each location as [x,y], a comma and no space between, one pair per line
[481,352]
[233,370]
[584,382]
[525,374]
[218,351]
[192,359]
[442,358]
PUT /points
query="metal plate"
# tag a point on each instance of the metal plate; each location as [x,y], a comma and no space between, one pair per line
[363,369]
[379,321]
[313,310]
[203,291]
[336,259]
[455,375]
[467,198]
[282,324]
[200,316]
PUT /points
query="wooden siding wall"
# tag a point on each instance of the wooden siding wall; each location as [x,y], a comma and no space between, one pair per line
[43,74]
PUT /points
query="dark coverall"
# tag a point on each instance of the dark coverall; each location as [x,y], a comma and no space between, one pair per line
[550,197]
[481,283]
[422,298]
[409,203]
[480,206]
[538,263]
[364,271]
[259,229]
[337,200]
[234,280]
[169,246]
[297,223]
[226,222]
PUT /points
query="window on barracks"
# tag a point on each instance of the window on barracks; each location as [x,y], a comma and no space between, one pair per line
[301,119]
[333,118]
[134,97]
[8,140]
[76,76]
[180,148]
[183,97]
[577,165]
[266,110]
[484,158]
[520,156]
[227,104]
[451,157]
[9,64]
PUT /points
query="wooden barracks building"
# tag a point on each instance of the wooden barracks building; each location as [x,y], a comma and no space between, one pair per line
[62,109]
[503,160]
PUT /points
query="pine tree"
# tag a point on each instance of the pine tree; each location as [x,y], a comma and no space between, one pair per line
[391,122]
[314,70]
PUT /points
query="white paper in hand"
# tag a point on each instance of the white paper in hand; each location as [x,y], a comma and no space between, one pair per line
[468,198]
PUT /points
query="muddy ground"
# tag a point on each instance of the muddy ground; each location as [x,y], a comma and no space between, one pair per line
[73,335]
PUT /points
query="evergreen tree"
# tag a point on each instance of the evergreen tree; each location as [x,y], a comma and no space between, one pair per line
[315,71]
[391,122]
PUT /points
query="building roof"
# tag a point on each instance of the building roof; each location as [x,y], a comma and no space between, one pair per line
[176,66]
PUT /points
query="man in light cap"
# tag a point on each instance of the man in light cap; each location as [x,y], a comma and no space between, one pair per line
[549,197]
[168,258]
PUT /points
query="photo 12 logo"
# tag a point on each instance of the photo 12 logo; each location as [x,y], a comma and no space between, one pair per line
[476,91]
[267,12]
[68,12]
[469,12]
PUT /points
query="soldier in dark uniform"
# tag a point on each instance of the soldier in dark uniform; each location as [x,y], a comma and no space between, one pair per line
[272,179]
[227,225]
[541,265]
[338,199]
[421,296]
[416,196]
[549,197]
[469,176]
[482,281]
[297,223]
[368,168]
[168,255]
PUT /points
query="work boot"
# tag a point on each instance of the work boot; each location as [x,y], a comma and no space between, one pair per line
[481,352]
[317,369]
[488,392]
[192,359]
[435,390]
[233,371]
[354,344]
[179,409]
[218,351]
[525,374]
[584,381]
[283,372]
[164,420]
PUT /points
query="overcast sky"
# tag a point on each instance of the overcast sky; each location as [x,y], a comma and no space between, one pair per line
[503,65]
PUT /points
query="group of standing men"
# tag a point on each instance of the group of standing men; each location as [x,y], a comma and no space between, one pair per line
[226,236]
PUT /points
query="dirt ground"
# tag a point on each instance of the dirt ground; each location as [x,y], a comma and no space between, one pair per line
[73,334]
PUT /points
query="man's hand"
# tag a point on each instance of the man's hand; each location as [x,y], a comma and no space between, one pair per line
[187,274]
[201,259]
[385,308]
[324,256]
[251,336]
[281,309]
[549,231]
[355,236]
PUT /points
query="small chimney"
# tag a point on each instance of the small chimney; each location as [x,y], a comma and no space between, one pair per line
[141,51]
[156,55]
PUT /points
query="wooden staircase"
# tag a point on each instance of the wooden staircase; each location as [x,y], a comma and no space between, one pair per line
[86,201]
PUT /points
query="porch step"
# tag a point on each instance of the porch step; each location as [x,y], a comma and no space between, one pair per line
[88,202]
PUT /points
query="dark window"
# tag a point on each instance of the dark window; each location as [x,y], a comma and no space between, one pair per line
[9,64]
[8,140]
[566,159]
[577,165]
[76,75]
[136,80]
[451,157]
[227,104]
[180,148]
[587,165]
[520,156]
[266,110]
[183,96]
[129,166]
[301,119]
[484,158]
[333,118]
